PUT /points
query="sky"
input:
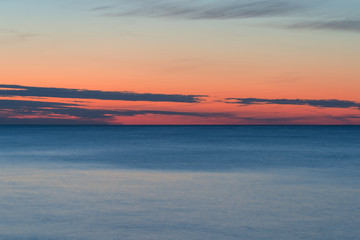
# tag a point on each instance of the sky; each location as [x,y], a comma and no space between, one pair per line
[151,62]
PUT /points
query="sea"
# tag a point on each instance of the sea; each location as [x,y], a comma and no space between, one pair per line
[179,182]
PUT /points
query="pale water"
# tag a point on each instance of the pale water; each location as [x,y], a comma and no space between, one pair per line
[179,182]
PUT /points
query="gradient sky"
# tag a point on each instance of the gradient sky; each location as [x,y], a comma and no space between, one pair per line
[179,62]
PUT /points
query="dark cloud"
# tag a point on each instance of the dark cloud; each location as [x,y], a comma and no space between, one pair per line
[17,104]
[337,25]
[300,120]
[199,9]
[21,112]
[327,103]
[17,90]
[48,121]
[14,111]
[276,120]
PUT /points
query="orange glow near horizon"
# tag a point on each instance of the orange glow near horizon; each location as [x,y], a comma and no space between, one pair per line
[262,57]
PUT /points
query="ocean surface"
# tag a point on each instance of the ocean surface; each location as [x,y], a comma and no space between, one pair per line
[179,182]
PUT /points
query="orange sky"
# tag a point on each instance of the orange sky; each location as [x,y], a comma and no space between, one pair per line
[262,50]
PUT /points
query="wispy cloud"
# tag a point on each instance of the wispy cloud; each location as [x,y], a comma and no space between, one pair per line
[26,91]
[234,9]
[336,25]
[200,9]
[322,103]
[23,111]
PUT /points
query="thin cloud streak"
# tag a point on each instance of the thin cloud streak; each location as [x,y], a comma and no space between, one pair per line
[14,109]
[22,112]
[322,103]
[335,25]
[199,9]
[49,121]
[27,91]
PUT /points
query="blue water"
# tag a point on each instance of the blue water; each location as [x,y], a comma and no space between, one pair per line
[179,182]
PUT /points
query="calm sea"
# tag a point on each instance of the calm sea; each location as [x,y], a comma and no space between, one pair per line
[179,182]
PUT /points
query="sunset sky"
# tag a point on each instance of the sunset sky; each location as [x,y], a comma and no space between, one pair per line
[179,62]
